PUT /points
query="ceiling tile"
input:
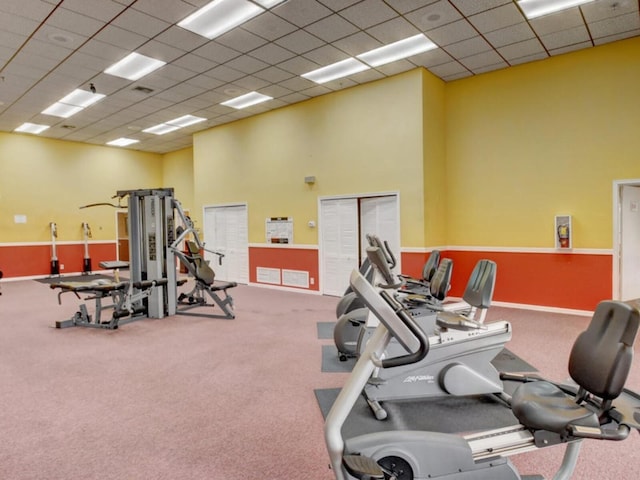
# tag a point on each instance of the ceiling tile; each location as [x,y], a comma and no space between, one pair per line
[615,38]
[497,18]
[368,13]
[482,59]
[406,6]
[448,69]
[471,7]
[224,73]
[171,11]
[522,49]
[433,16]
[269,26]
[337,5]
[272,54]
[569,48]
[216,52]
[326,55]
[120,37]
[332,28]
[251,83]
[195,63]
[241,40]
[557,22]
[247,64]
[466,48]
[299,42]
[431,58]
[595,11]
[393,30]
[273,74]
[357,43]
[33,9]
[302,12]
[16,24]
[565,38]
[452,33]
[513,34]
[529,58]
[74,22]
[138,22]
[160,51]
[104,10]
[615,25]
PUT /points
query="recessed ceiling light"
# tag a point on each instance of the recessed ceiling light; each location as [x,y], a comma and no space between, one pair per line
[397,50]
[538,8]
[73,103]
[336,70]
[134,66]
[122,142]
[246,100]
[219,17]
[31,128]
[161,129]
[186,120]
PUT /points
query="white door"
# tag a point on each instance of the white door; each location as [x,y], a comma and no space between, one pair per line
[630,242]
[339,241]
[226,231]
[379,216]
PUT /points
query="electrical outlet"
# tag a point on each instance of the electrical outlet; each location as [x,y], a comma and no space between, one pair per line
[62,266]
[312,281]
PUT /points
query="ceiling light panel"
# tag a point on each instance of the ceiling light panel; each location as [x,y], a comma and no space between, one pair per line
[31,128]
[122,142]
[185,121]
[398,50]
[161,129]
[220,16]
[244,101]
[336,70]
[538,8]
[73,103]
[134,66]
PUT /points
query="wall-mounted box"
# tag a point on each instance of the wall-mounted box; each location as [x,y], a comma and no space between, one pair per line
[563,232]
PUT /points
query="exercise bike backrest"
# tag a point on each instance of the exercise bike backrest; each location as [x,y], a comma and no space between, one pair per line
[379,261]
[395,318]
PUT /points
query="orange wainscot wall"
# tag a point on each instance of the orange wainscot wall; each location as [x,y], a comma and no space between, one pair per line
[285,258]
[563,280]
[35,260]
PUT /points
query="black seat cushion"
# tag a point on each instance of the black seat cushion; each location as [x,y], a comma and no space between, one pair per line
[543,406]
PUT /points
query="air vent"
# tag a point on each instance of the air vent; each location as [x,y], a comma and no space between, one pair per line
[68,127]
[145,90]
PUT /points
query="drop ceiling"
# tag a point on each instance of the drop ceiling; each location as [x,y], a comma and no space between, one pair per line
[49,48]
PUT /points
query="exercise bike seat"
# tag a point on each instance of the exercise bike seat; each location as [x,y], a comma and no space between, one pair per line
[599,364]
[454,321]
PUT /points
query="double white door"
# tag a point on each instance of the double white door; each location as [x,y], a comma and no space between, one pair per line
[344,224]
[226,231]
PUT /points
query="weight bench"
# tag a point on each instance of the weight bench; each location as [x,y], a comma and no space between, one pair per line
[205,286]
[124,302]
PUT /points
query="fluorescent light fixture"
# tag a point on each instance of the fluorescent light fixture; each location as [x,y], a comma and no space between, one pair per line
[31,128]
[220,16]
[538,8]
[161,129]
[336,70]
[81,98]
[62,110]
[73,103]
[134,66]
[397,50]
[246,100]
[185,121]
[122,142]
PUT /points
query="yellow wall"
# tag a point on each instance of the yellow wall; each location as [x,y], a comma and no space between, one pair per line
[434,152]
[48,180]
[177,172]
[546,138]
[364,139]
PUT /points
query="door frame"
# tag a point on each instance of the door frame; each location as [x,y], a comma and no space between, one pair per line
[356,196]
[617,233]
[224,205]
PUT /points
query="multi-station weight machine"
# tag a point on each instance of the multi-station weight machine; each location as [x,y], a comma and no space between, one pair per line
[152,288]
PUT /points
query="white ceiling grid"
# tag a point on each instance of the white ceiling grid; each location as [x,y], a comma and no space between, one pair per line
[48,48]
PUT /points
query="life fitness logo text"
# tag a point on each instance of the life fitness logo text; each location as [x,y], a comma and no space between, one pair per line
[419,378]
